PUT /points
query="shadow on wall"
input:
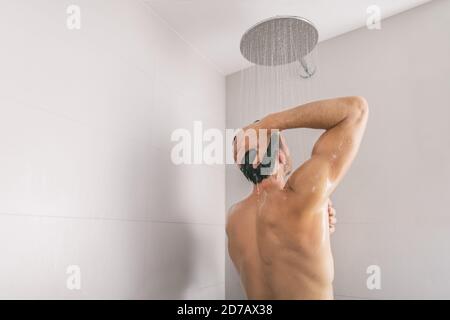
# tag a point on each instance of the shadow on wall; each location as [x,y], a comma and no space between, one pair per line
[169,247]
[173,262]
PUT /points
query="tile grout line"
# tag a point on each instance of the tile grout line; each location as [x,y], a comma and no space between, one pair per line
[109,219]
[95,129]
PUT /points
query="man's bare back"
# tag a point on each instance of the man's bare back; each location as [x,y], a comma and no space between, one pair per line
[277,257]
[279,236]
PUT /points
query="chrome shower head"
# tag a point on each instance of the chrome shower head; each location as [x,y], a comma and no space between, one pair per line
[280,40]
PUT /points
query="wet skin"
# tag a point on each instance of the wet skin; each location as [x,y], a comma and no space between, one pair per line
[279,236]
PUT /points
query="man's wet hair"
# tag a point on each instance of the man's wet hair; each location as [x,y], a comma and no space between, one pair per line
[256,175]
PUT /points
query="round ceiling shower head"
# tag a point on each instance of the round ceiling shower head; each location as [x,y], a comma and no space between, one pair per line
[279,40]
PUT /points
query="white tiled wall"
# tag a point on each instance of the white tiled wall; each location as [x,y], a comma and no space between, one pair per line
[392,206]
[85,171]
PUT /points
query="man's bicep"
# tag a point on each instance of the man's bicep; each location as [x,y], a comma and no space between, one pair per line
[310,182]
[331,157]
[338,147]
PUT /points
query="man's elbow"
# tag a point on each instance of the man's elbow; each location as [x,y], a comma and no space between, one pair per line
[360,108]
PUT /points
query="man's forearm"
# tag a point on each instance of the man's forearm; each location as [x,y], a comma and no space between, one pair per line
[323,114]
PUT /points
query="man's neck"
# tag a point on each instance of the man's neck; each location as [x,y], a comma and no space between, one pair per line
[272,182]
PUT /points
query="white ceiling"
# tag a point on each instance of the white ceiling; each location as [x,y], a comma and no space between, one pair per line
[215,27]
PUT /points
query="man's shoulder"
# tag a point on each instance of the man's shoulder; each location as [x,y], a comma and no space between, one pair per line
[233,211]
[234,214]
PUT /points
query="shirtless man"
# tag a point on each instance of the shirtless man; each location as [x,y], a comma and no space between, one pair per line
[279,236]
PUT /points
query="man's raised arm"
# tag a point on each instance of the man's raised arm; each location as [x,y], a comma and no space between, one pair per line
[344,120]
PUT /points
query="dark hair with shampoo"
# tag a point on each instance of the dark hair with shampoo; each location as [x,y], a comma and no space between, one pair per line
[254,174]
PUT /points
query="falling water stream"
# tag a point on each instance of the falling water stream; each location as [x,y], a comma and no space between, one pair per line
[280,49]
